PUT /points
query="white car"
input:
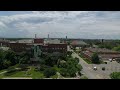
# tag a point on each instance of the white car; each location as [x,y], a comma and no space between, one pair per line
[110,60]
[95,68]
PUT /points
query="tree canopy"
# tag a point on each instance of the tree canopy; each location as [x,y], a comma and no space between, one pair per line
[70,67]
[49,72]
[95,59]
[115,75]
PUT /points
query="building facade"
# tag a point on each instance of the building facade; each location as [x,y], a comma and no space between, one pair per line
[104,54]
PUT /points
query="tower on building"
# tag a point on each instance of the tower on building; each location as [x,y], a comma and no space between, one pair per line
[66,37]
[35,35]
[48,36]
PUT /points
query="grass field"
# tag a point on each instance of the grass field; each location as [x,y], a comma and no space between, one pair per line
[29,73]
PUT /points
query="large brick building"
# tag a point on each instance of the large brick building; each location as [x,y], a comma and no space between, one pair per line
[50,48]
[19,47]
[104,54]
[36,40]
[37,47]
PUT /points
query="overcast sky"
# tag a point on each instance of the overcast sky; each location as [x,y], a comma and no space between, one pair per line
[58,24]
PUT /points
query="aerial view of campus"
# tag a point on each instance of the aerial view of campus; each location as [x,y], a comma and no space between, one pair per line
[59,45]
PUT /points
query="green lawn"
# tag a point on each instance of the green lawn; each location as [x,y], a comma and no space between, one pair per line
[84,77]
[33,74]
[2,70]
[36,74]
[54,76]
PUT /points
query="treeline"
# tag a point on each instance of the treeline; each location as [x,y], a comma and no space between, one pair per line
[10,58]
[109,44]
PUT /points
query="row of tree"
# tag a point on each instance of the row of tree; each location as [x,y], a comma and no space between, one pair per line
[115,75]
[70,67]
[67,65]
[10,58]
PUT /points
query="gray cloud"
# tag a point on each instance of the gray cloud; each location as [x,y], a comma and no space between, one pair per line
[74,24]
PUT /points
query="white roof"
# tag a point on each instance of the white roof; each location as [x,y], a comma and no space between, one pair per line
[25,41]
[4,48]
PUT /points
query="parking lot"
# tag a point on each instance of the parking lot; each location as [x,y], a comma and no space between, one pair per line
[109,68]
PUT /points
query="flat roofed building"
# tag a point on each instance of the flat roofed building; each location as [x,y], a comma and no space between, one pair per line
[78,43]
[38,40]
[19,47]
[25,41]
[104,54]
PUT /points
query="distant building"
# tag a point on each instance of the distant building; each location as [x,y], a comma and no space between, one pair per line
[25,41]
[20,47]
[38,40]
[50,48]
[37,46]
[104,54]
[78,43]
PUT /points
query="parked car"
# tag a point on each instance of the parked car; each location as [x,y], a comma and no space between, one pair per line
[105,62]
[103,68]
[113,59]
[110,60]
[95,68]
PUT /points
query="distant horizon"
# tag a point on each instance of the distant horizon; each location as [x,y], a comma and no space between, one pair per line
[55,38]
[74,24]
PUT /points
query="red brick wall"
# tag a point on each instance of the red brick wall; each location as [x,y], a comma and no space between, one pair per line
[38,40]
[19,47]
[55,48]
[4,43]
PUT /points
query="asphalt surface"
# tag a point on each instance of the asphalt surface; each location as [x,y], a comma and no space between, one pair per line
[99,73]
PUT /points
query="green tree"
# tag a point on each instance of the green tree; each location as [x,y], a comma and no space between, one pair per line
[115,75]
[49,72]
[2,57]
[6,63]
[79,67]
[64,72]
[10,55]
[116,48]
[69,53]
[70,68]
[24,58]
[52,59]
[76,60]
[95,59]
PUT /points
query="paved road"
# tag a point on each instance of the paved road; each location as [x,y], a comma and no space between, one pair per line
[88,68]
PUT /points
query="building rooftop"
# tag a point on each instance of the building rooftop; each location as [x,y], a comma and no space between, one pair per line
[53,41]
[77,42]
[12,42]
[25,41]
[102,50]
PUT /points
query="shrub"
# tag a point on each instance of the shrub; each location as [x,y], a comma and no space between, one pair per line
[84,77]
[79,73]
[115,75]
[49,72]
[95,58]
